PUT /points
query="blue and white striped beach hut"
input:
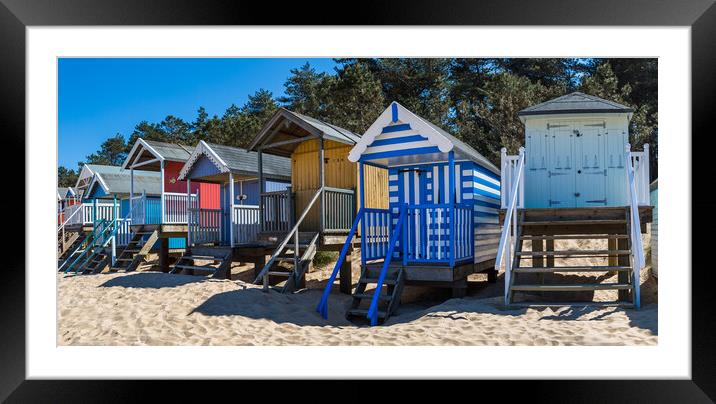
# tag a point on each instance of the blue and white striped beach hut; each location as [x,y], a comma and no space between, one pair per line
[442,220]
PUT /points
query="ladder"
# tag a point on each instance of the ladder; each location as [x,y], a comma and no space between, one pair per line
[219,261]
[292,264]
[387,302]
[143,238]
[540,276]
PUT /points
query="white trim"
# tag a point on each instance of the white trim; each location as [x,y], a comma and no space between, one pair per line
[202,148]
[144,145]
[417,124]
[485,177]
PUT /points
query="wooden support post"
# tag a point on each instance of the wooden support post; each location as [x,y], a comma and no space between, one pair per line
[345,274]
[321,183]
[538,260]
[623,277]
[231,209]
[362,219]
[261,191]
[187,246]
[161,220]
[259,264]
[550,247]
[164,254]
[451,201]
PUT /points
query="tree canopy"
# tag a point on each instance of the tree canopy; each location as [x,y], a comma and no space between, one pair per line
[475,99]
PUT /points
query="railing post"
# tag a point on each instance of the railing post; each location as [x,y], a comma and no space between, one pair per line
[521,185]
[231,209]
[362,222]
[503,179]
[321,183]
[161,211]
[646,176]
[291,215]
[261,189]
[451,170]
[94,211]
[188,212]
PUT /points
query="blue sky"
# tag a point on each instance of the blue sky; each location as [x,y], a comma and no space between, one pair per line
[101,97]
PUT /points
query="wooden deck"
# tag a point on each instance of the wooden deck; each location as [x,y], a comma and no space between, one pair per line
[565,221]
[165,230]
[432,274]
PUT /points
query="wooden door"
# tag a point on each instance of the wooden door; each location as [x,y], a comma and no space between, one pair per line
[591,177]
[536,180]
[561,166]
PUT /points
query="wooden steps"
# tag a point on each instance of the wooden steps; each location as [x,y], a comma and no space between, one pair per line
[605,268]
[387,302]
[283,268]
[544,227]
[136,249]
[220,257]
[571,288]
[572,253]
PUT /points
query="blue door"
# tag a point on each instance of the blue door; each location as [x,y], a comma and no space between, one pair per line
[561,171]
[591,171]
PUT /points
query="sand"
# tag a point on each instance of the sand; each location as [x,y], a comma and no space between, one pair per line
[150,308]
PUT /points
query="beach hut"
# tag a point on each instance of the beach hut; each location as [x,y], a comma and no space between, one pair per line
[163,218]
[441,224]
[317,211]
[576,178]
[234,222]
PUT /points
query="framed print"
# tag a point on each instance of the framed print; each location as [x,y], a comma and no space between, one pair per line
[425,192]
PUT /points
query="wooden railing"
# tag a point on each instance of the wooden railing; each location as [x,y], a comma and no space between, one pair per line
[205,226]
[637,248]
[124,232]
[508,173]
[277,211]
[378,227]
[246,223]
[339,212]
[511,192]
[640,167]
[175,207]
[427,233]
[105,210]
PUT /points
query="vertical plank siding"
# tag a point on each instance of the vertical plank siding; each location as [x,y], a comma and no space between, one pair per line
[339,173]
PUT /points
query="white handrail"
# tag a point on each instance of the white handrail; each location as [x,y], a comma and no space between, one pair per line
[637,248]
[67,219]
[512,197]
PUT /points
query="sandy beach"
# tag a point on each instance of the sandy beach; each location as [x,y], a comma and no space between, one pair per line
[151,308]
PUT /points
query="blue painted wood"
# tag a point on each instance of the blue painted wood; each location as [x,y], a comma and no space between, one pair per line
[399,153]
[398,140]
[451,195]
[203,167]
[373,309]
[362,206]
[323,304]
[394,111]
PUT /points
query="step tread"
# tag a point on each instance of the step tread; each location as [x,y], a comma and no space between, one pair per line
[571,269]
[569,288]
[574,252]
[387,281]
[571,222]
[206,268]
[279,273]
[576,237]
[578,304]
[370,296]
[202,257]
[364,312]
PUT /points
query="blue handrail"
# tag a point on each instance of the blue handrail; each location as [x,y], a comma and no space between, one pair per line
[373,310]
[89,239]
[323,304]
[102,242]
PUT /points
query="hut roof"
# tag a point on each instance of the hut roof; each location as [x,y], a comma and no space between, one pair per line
[61,193]
[119,183]
[574,103]
[238,161]
[438,141]
[287,125]
[145,151]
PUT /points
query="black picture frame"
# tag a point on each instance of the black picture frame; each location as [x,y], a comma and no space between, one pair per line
[700,15]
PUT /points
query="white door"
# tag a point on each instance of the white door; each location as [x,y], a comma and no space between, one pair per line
[591,177]
[561,166]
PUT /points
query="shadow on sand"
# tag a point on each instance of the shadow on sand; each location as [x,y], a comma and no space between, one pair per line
[152,280]
[297,308]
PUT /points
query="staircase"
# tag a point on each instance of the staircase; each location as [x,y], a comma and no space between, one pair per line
[215,259]
[137,248]
[388,302]
[98,262]
[72,248]
[290,265]
[542,276]
[84,248]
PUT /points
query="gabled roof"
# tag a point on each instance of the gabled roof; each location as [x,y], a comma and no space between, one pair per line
[120,183]
[238,161]
[287,125]
[61,193]
[421,136]
[148,150]
[575,103]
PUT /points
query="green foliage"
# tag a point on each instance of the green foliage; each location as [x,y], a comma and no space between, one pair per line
[475,99]
[66,177]
[323,258]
